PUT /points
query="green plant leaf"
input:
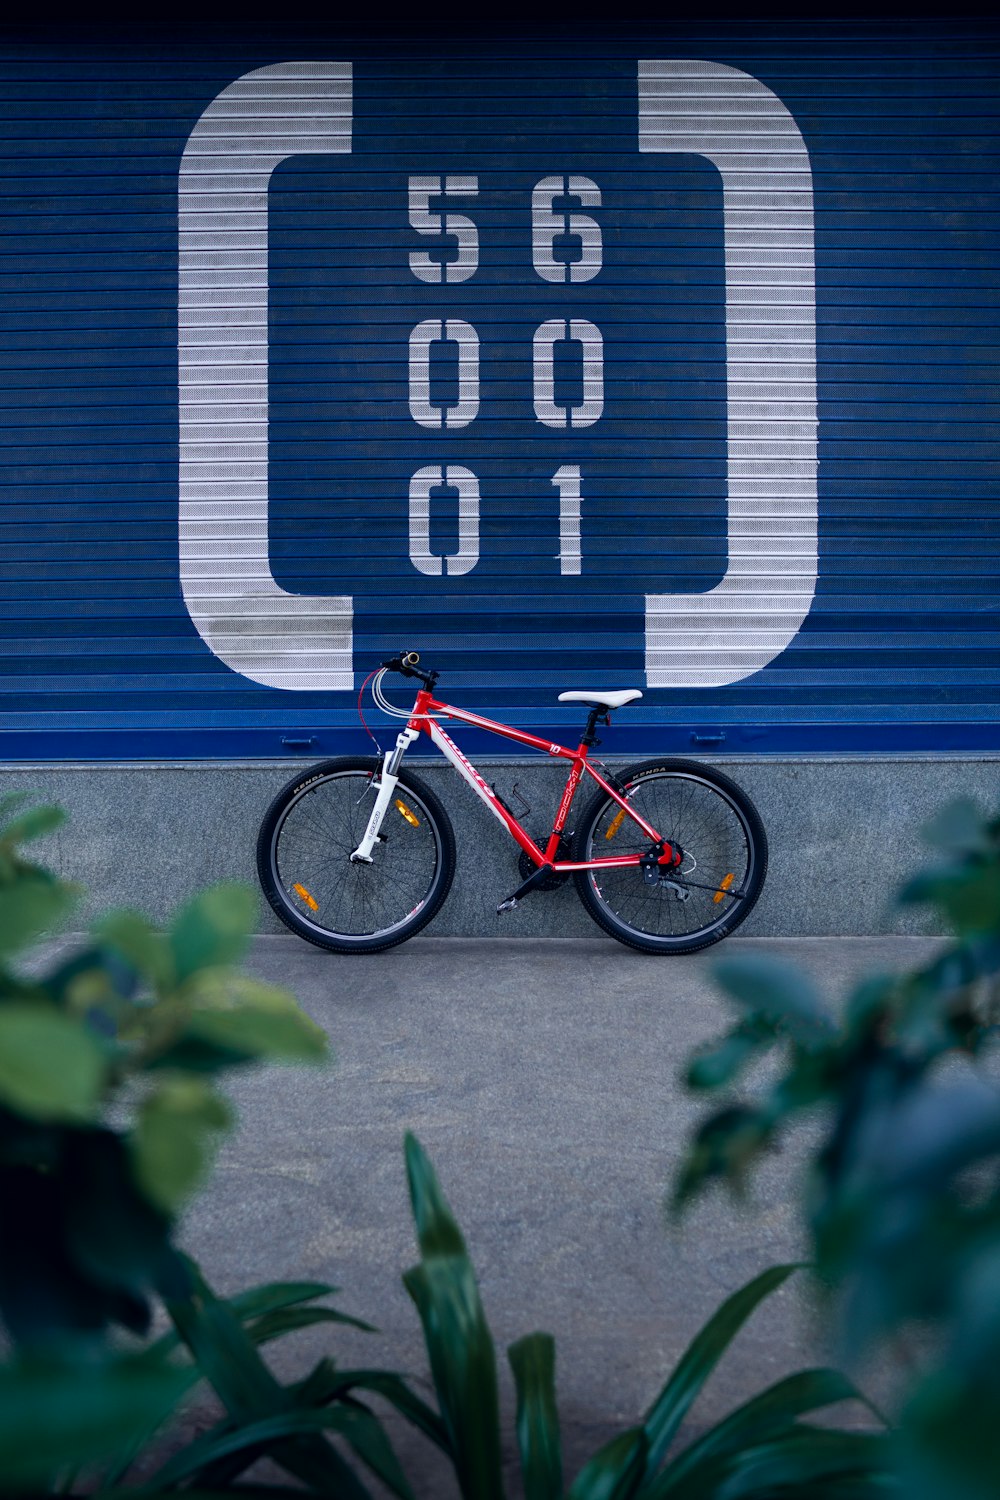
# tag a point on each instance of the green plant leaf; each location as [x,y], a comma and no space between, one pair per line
[274,1295]
[457,1336]
[533,1361]
[869,1000]
[52,1067]
[780,993]
[370,1442]
[616,1472]
[463,1366]
[437,1230]
[774,1410]
[804,1458]
[175,1138]
[948,1442]
[189,1054]
[276,1324]
[359,1428]
[720,1063]
[259,1020]
[35,905]
[50,1296]
[327,1383]
[259,1437]
[111,1231]
[213,929]
[255,1303]
[147,951]
[700,1358]
[55,1416]
[254,1491]
[226,1356]
[32,824]
[725,1145]
[968,895]
[960,828]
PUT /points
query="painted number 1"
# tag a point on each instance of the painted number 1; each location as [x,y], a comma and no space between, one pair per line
[567,482]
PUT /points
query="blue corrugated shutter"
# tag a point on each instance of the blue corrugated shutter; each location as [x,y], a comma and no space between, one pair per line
[568,441]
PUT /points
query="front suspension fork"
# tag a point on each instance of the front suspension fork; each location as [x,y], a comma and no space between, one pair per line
[386,787]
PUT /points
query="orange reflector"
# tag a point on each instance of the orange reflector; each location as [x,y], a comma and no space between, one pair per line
[616,823]
[307,897]
[723,888]
[414,822]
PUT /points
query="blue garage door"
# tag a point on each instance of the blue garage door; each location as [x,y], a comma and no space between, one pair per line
[663,362]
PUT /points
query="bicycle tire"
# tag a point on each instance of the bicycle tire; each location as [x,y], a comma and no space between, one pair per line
[723,838]
[305,872]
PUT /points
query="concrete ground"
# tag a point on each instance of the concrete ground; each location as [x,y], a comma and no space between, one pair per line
[542,1077]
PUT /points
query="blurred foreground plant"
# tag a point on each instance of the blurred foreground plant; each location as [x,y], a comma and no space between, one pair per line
[109,1117]
[761,1450]
[902,1202]
[109,1113]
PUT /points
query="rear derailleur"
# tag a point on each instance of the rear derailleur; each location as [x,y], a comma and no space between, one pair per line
[653,873]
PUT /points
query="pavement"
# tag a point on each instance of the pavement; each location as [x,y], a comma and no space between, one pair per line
[542,1075]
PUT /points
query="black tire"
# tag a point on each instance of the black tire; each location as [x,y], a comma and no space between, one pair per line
[725,858]
[303,863]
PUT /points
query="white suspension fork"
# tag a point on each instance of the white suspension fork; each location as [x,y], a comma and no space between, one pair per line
[387,786]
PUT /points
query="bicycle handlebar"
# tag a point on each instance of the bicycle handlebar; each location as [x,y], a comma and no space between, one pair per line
[406,664]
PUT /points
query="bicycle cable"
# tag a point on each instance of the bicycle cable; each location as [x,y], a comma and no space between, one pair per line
[382,701]
[390,708]
[361,712]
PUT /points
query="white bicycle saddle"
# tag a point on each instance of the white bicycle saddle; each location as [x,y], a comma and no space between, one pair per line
[603,700]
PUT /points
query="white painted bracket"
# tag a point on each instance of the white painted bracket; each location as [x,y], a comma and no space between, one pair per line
[282,640]
[746,620]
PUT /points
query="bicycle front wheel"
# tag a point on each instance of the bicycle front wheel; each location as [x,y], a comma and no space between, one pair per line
[304,858]
[718,881]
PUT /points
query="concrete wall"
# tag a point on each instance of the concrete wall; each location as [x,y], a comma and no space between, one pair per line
[843,833]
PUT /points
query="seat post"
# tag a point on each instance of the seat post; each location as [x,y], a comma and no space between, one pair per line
[590,733]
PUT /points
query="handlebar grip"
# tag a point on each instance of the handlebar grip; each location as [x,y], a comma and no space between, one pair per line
[406,663]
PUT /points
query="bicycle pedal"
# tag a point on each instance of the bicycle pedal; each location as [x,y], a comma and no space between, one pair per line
[533,883]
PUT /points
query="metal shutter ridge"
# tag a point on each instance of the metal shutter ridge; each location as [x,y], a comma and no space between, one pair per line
[666,362]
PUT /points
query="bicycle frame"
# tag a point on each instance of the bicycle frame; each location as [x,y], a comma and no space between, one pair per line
[424,720]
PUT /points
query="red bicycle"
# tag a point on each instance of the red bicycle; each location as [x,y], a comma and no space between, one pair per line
[668,857]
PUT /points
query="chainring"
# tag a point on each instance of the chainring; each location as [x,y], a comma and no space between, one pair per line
[527,866]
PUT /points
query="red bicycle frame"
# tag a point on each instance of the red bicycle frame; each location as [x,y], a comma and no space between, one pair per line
[424,720]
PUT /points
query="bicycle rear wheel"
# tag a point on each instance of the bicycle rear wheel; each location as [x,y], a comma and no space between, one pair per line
[305,870]
[718,881]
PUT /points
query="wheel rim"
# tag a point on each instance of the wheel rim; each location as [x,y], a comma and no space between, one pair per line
[709,826]
[310,859]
